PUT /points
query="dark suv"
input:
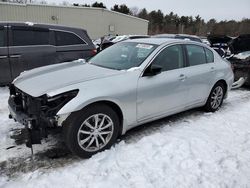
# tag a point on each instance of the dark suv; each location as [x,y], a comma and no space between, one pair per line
[24,46]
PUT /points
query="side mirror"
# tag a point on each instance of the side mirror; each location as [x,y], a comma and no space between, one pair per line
[153,70]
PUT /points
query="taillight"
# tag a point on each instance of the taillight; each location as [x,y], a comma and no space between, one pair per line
[93,52]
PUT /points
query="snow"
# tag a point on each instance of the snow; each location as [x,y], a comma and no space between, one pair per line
[191,149]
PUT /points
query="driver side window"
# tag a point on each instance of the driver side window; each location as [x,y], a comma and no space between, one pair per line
[170,58]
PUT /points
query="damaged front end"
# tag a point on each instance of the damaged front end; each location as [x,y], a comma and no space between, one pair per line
[237,52]
[241,66]
[240,58]
[37,114]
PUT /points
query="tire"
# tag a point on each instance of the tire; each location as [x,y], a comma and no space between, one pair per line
[83,135]
[211,105]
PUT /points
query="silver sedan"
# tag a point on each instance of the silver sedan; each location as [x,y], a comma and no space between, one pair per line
[126,85]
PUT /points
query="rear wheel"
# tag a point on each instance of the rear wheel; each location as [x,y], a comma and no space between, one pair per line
[215,98]
[91,130]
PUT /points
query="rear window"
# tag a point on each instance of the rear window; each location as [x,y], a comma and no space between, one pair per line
[196,55]
[29,37]
[66,38]
[209,55]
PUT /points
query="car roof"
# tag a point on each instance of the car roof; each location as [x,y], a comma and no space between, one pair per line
[178,36]
[160,41]
[42,25]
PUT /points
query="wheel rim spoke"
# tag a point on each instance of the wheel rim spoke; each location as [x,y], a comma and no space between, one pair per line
[103,141]
[97,142]
[91,142]
[96,118]
[106,126]
[89,125]
[104,132]
[85,140]
[102,122]
[85,132]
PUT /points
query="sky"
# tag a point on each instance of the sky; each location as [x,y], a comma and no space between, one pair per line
[207,9]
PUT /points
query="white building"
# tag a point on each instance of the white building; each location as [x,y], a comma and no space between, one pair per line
[96,21]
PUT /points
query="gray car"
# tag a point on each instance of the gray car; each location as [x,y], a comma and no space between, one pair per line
[126,85]
[24,46]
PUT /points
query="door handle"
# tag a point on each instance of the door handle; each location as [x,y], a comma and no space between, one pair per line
[182,77]
[212,69]
[15,56]
[3,57]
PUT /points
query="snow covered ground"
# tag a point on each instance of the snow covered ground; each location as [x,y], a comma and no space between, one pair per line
[191,149]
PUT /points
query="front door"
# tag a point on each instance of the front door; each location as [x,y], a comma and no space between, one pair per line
[165,92]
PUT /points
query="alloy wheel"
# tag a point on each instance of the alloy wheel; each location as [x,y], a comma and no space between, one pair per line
[217,97]
[95,132]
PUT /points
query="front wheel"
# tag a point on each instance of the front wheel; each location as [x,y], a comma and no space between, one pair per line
[91,130]
[215,98]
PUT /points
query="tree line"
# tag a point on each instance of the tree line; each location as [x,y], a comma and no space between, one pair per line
[170,23]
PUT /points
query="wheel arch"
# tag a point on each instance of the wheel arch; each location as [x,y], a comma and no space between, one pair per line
[112,105]
[219,81]
[224,83]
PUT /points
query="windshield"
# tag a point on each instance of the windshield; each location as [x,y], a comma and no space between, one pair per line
[123,56]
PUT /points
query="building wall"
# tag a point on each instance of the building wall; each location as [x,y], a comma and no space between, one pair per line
[96,21]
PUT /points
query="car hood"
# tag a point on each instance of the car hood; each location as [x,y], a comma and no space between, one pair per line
[42,80]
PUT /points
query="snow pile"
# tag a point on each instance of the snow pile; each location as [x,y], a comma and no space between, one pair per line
[204,150]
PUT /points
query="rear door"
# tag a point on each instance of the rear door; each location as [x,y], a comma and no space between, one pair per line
[70,46]
[29,48]
[200,74]
[5,72]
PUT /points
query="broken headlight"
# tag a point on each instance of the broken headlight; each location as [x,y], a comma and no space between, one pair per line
[55,103]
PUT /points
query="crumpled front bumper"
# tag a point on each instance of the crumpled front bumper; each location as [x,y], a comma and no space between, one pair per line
[32,134]
[19,116]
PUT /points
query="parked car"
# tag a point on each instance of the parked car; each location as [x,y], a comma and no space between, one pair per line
[179,36]
[107,42]
[25,46]
[205,40]
[240,57]
[126,85]
[127,37]
[220,44]
[103,42]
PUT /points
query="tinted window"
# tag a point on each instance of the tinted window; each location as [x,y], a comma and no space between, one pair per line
[29,37]
[196,55]
[65,38]
[209,55]
[170,58]
[2,38]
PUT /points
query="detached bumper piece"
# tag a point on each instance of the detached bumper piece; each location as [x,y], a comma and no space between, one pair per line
[36,113]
